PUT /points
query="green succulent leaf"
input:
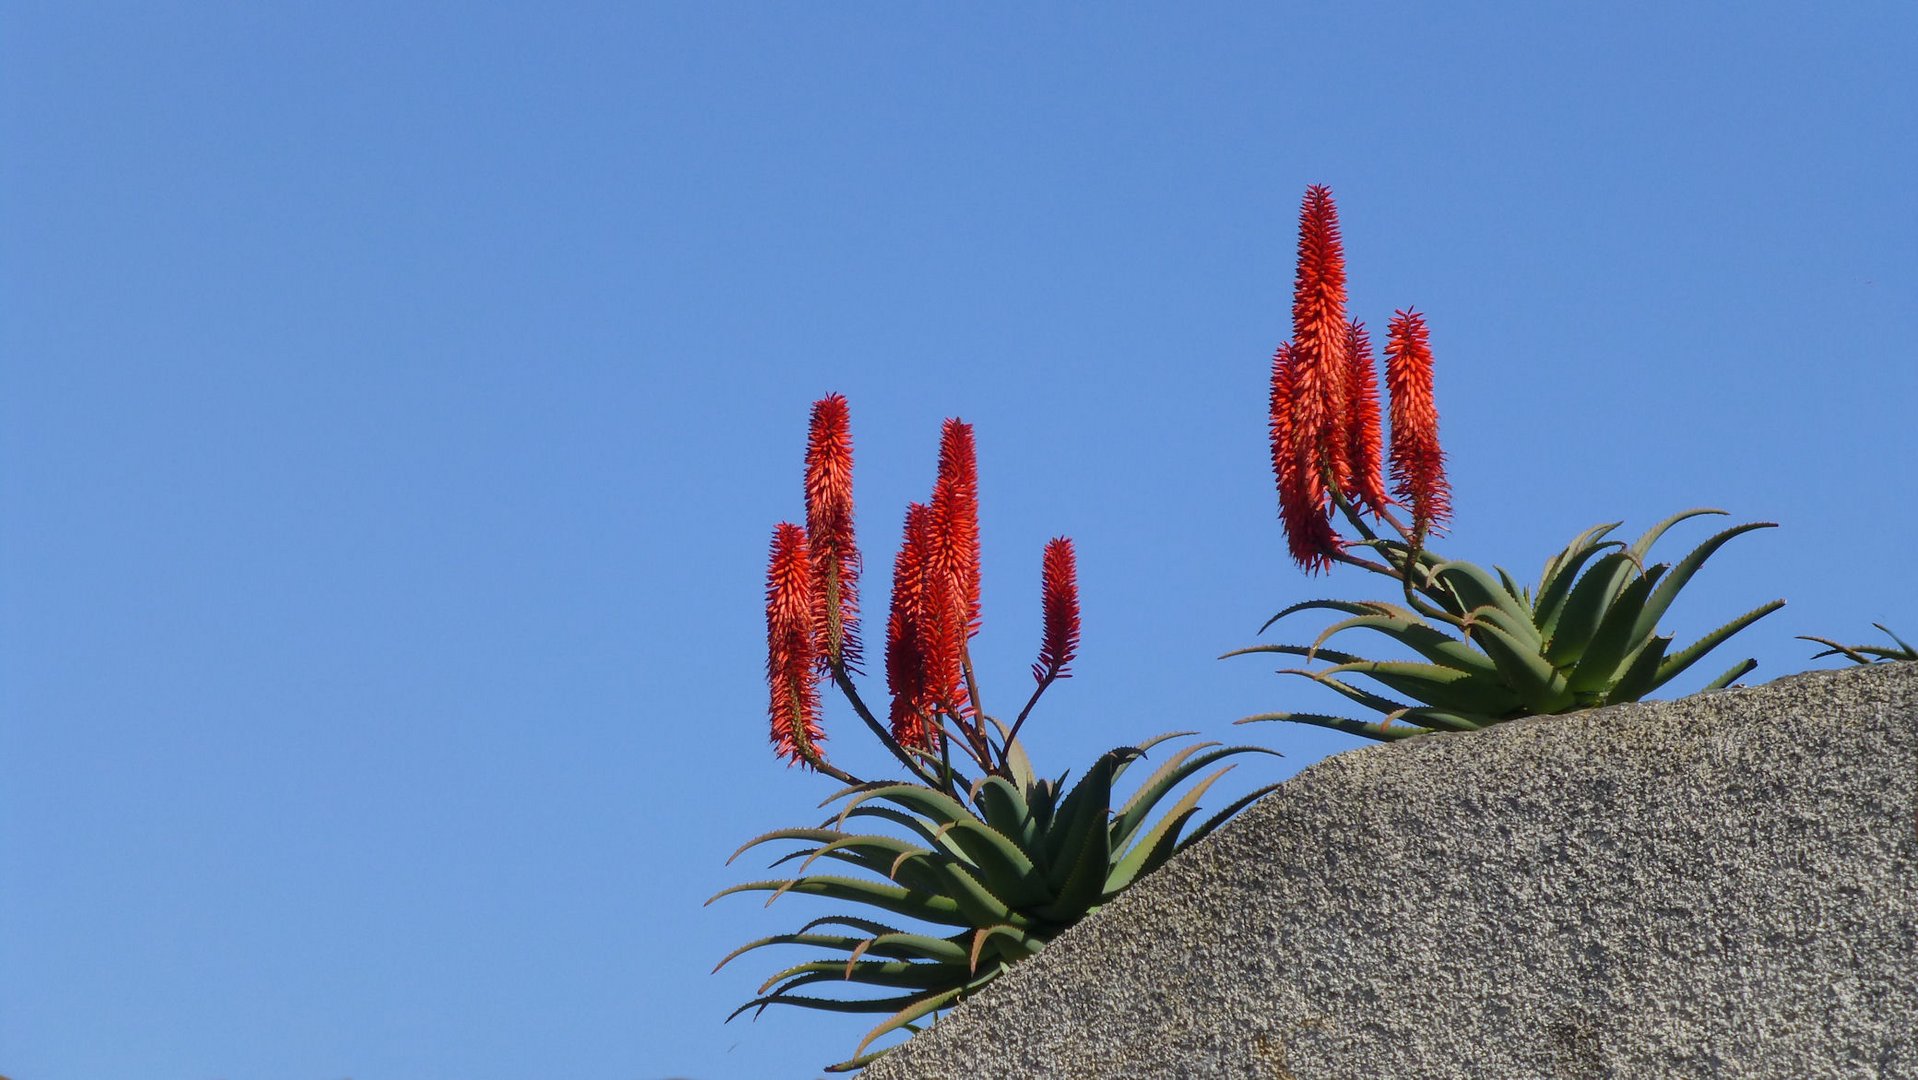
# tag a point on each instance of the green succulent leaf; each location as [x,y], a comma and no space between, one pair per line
[1539,686]
[1586,606]
[1731,675]
[1475,589]
[1675,664]
[1642,547]
[1641,673]
[1667,590]
[1161,840]
[1382,730]
[894,898]
[1447,688]
[1421,637]
[1617,637]
[1348,607]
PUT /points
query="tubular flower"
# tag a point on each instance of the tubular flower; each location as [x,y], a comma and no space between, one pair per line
[1319,341]
[1362,446]
[906,667]
[1059,599]
[955,518]
[829,532]
[1308,531]
[1418,464]
[791,613]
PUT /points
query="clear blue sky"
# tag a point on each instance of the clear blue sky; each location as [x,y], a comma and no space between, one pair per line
[398,399]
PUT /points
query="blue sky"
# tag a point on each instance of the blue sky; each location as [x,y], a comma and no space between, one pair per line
[398,400]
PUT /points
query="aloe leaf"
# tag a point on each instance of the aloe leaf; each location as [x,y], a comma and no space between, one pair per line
[1676,663]
[1375,702]
[1430,684]
[1618,635]
[1139,807]
[1585,608]
[1474,588]
[1382,730]
[1019,945]
[1682,572]
[1540,688]
[1081,819]
[1006,810]
[1308,652]
[1904,650]
[1556,584]
[1731,675]
[1083,883]
[822,941]
[820,835]
[1513,588]
[1165,833]
[1640,676]
[1348,607]
[1835,649]
[907,1015]
[1445,719]
[842,1005]
[1643,545]
[1209,825]
[1419,636]
[889,974]
[996,854]
[1581,548]
[942,910]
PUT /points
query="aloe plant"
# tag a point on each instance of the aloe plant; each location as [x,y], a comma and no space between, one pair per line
[1490,649]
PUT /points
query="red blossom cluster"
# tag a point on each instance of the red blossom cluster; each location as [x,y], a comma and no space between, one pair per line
[812,602]
[1325,416]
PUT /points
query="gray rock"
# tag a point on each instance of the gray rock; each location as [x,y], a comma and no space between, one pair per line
[1722,886]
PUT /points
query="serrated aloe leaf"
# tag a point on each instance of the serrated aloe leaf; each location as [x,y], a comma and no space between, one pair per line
[1676,663]
[1835,649]
[1643,545]
[929,833]
[1444,719]
[1006,810]
[1682,572]
[1430,684]
[1513,588]
[1419,636]
[1083,882]
[1382,730]
[1585,608]
[1010,943]
[1539,686]
[1348,607]
[1135,861]
[996,854]
[1081,820]
[1475,589]
[1134,813]
[1904,650]
[1640,676]
[1211,824]
[907,1015]
[841,1005]
[1731,675]
[1331,655]
[1556,584]
[887,856]
[1617,636]
[1580,549]
[897,899]
[842,942]
[1375,702]
[889,974]
[819,835]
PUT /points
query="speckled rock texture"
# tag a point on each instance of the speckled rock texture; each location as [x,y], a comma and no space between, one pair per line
[1722,886]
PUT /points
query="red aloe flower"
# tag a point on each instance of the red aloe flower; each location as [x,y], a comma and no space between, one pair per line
[1059,599]
[955,518]
[1302,496]
[1418,463]
[791,612]
[1362,449]
[1319,339]
[829,533]
[906,660]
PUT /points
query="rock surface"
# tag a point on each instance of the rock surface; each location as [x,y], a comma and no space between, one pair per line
[1721,886]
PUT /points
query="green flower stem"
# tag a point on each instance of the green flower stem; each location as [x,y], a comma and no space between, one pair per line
[1013,733]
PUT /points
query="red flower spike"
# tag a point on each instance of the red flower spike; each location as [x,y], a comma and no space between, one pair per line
[791,612]
[1319,339]
[1302,498]
[1363,450]
[1418,463]
[829,532]
[905,658]
[1059,599]
[955,518]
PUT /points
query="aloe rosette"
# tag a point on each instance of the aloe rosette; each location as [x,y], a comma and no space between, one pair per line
[969,862]
[987,879]
[1491,650]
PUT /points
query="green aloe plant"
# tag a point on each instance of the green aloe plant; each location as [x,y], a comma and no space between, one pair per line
[1490,649]
[986,880]
[969,862]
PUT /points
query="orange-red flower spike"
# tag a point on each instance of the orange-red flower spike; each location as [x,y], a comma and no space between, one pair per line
[1319,340]
[912,725]
[1418,463]
[1302,497]
[829,532]
[791,612]
[1364,450]
[955,518]
[1059,600]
